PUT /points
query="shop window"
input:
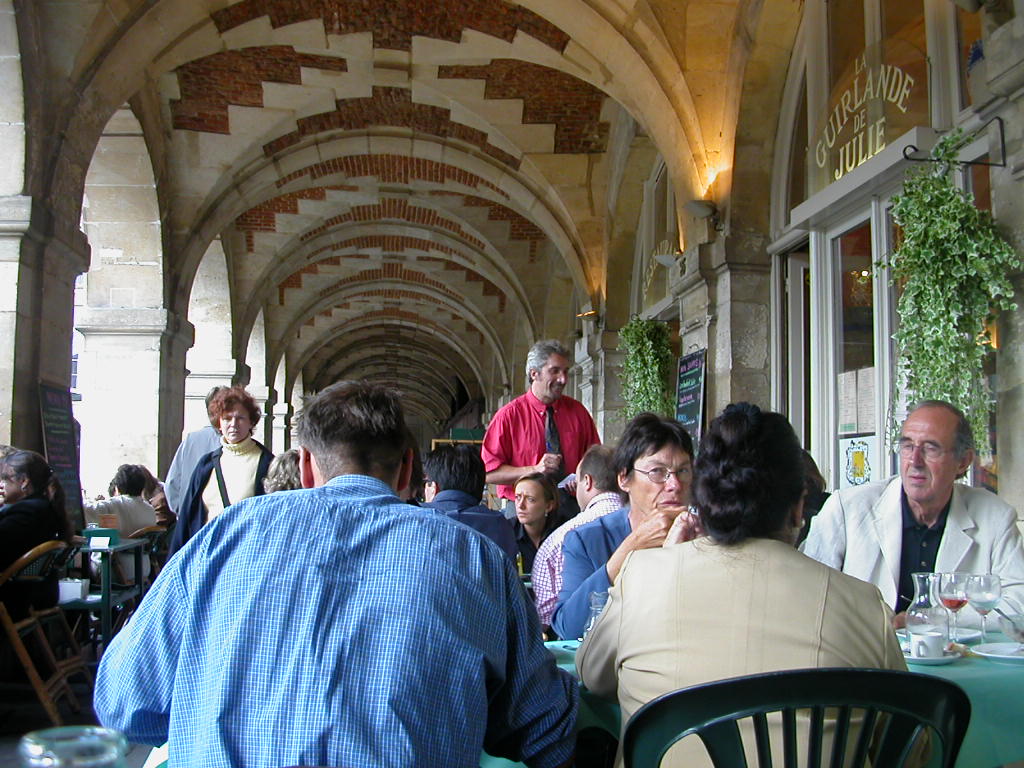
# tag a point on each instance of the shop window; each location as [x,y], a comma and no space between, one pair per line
[798,153]
[969,53]
[845,38]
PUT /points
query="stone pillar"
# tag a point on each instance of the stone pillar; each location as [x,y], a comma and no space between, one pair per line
[43,300]
[119,375]
[599,363]
[15,213]
[175,342]
[280,439]
[1004,58]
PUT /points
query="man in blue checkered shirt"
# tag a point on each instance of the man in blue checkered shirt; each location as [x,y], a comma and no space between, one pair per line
[338,626]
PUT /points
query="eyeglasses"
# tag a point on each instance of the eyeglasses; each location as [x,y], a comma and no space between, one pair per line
[906,449]
[660,475]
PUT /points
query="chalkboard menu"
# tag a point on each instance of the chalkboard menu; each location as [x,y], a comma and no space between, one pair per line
[60,441]
[690,392]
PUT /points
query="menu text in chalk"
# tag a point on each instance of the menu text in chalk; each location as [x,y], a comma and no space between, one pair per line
[690,393]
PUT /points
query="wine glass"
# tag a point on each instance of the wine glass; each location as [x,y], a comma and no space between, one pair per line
[983,591]
[953,594]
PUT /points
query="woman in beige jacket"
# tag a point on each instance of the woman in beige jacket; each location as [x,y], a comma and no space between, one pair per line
[740,600]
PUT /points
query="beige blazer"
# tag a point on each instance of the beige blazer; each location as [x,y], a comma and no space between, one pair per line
[860,532]
[699,612]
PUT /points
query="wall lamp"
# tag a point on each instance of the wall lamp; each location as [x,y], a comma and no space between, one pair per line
[704,209]
[590,314]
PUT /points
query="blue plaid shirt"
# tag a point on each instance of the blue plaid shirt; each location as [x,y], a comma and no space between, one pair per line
[337,626]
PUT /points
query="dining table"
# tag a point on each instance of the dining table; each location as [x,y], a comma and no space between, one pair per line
[994,738]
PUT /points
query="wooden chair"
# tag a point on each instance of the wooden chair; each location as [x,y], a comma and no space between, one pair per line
[157,538]
[894,709]
[36,566]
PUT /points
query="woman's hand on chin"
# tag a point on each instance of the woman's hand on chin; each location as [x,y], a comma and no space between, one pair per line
[685,527]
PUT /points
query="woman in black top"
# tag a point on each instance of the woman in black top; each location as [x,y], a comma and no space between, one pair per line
[33,513]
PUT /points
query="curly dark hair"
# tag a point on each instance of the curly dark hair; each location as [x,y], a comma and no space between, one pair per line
[33,467]
[229,398]
[748,474]
[130,479]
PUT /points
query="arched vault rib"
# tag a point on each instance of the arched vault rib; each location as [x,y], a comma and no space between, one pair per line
[441,334]
[376,363]
[359,288]
[428,357]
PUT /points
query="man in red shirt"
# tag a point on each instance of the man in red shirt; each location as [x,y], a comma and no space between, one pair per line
[542,430]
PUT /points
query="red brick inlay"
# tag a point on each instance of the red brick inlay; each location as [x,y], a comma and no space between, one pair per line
[395,169]
[390,107]
[549,96]
[263,217]
[520,228]
[208,85]
[395,22]
[395,208]
[389,271]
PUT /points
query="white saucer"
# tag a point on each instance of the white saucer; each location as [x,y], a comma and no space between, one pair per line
[966,635]
[948,658]
[1003,653]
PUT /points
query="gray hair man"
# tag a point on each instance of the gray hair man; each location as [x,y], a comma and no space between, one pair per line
[921,521]
[325,626]
[542,430]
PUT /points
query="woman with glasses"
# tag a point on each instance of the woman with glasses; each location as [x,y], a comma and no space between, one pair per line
[741,599]
[654,464]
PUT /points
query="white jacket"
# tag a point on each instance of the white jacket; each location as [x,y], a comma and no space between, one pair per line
[860,532]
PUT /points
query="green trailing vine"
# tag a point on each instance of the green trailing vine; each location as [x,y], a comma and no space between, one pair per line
[955,267]
[647,367]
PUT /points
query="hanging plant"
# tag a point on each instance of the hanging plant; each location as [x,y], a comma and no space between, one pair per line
[954,266]
[647,367]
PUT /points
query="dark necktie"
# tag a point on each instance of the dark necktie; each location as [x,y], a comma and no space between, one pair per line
[552,441]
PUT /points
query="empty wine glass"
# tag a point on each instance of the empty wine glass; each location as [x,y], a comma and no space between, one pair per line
[953,594]
[983,591]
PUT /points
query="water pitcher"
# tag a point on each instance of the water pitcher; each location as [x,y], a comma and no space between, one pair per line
[925,613]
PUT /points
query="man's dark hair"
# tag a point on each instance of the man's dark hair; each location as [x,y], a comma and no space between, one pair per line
[598,463]
[648,433]
[353,427]
[456,468]
[130,480]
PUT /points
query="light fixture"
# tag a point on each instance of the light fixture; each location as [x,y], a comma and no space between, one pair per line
[704,209]
[590,314]
[666,253]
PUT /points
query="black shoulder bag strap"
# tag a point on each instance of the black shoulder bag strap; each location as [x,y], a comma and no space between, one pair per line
[220,483]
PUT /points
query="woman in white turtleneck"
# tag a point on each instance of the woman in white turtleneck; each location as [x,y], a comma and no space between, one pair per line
[233,472]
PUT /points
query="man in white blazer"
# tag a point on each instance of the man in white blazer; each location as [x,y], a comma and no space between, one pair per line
[923,520]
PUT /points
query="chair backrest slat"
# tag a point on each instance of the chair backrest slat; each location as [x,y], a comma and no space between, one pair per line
[764,740]
[897,708]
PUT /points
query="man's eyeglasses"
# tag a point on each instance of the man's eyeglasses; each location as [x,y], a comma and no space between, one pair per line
[906,449]
[660,475]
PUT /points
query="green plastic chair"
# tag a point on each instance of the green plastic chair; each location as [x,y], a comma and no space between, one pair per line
[895,708]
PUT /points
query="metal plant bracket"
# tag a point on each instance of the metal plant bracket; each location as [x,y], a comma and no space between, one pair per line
[910,150]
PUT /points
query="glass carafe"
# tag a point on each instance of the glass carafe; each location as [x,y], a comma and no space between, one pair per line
[926,614]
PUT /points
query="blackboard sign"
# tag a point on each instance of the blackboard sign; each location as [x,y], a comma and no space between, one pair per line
[690,393]
[60,441]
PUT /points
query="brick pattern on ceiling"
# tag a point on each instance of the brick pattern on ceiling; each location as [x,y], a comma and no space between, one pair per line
[392,271]
[391,208]
[391,107]
[388,244]
[395,22]
[520,227]
[263,217]
[207,86]
[396,313]
[393,169]
[549,96]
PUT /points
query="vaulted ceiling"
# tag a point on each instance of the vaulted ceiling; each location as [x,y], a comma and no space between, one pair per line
[409,190]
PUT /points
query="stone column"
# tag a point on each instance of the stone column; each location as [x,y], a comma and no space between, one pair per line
[15,213]
[281,428]
[42,298]
[175,342]
[119,375]
[599,363]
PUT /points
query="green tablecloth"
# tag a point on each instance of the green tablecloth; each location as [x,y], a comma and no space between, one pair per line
[996,690]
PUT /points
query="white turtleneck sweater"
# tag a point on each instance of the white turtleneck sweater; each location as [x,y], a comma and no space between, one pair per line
[239,463]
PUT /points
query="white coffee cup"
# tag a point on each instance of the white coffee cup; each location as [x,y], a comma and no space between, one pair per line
[927,645]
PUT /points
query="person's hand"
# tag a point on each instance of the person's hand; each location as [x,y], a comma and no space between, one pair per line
[569,486]
[652,532]
[549,462]
[899,621]
[685,527]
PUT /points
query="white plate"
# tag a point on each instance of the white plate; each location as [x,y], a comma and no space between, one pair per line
[1002,652]
[948,658]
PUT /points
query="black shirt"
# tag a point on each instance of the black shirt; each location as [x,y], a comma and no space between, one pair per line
[919,550]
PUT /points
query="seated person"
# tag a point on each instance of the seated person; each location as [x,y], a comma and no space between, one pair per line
[653,465]
[455,476]
[536,505]
[33,512]
[741,600]
[598,494]
[126,511]
[156,495]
